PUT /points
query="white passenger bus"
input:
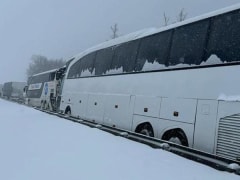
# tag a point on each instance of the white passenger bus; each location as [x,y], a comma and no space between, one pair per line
[180,83]
[43,89]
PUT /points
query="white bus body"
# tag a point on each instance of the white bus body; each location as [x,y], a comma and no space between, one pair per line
[43,90]
[191,102]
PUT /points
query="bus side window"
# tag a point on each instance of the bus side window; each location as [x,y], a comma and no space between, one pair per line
[86,65]
[124,57]
[153,49]
[224,38]
[103,61]
[188,43]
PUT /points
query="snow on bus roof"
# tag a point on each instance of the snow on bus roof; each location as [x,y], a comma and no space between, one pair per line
[151,31]
[112,42]
[52,70]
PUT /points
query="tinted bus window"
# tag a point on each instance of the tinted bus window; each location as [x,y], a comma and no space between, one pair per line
[74,70]
[83,67]
[188,44]
[124,58]
[224,39]
[153,52]
[86,65]
[39,78]
[103,61]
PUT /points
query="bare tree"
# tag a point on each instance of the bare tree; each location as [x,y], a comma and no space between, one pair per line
[166,19]
[182,15]
[40,63]
[114,30]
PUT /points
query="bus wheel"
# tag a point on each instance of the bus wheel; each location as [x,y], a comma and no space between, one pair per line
[176,136]
[145,129]
[68,111]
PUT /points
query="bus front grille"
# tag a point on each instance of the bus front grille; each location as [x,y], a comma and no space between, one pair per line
[228,139]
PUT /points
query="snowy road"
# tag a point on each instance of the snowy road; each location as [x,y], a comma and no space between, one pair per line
[37,146]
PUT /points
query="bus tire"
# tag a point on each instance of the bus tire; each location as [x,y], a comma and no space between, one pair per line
[68,111]
[176,136]
[145,129]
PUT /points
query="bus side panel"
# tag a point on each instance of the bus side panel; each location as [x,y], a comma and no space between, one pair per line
[147,106]
[35,102]
[80,101]
[96,107]
[66,101]
[45,92]
[117,112]
[205,127]
[176,109]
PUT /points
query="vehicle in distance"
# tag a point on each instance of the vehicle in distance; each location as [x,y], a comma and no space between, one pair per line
[14,90]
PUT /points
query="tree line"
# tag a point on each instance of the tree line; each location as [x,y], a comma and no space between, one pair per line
[41,63]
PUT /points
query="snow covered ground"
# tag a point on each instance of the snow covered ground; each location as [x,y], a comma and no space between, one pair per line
[38,146]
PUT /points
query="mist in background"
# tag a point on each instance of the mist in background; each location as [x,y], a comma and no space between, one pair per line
[60,29]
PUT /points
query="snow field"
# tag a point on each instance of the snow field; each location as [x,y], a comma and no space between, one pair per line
[37,146]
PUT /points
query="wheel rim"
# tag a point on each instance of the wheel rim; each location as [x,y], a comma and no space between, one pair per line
[175,140]
[147,131]
[68,113]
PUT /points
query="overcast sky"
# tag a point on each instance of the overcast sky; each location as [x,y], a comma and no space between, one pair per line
[63,28]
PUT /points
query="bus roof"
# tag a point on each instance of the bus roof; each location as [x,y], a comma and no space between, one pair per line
[45,72]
